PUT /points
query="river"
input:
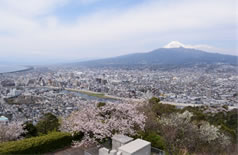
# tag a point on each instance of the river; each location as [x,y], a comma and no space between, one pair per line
[88,97]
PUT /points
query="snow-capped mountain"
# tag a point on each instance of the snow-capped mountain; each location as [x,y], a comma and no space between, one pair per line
[175,44]
[175,53]
[207,48]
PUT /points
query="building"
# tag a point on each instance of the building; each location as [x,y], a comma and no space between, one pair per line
[123,145]
[3,119]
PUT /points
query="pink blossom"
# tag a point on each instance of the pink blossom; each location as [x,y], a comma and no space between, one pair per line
[98,123]
[10,131]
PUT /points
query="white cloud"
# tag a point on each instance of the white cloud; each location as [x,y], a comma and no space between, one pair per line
[213,49]
[207,48]
[109,32]
[30,7]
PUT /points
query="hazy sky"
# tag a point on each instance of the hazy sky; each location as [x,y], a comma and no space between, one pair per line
[60,30]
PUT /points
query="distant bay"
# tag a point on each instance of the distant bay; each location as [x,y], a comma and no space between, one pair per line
[12,68]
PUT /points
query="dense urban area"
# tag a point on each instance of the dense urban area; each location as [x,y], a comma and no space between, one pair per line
[26,96]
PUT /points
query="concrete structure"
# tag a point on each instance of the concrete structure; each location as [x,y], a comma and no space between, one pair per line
[104,151]
[136,147]
[123,145]
[120,140]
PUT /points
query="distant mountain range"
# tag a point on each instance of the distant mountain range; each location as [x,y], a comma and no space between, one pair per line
[171,55]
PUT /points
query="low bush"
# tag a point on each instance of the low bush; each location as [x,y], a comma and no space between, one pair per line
[101,104]
[156,140]
[37,145]
[154,100]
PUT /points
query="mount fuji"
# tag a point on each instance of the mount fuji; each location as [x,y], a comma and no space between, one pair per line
[174,53]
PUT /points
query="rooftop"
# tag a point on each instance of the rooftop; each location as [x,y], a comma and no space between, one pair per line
[122,138]
[3,118]
[134,146]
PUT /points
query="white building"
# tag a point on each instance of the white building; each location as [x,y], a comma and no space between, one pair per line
[123,145]
[136,147]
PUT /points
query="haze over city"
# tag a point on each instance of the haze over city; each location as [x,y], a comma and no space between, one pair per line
[53,31]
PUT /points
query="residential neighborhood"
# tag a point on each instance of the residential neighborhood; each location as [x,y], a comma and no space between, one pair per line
[26,96]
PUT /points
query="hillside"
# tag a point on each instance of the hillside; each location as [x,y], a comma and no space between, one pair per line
[173,56]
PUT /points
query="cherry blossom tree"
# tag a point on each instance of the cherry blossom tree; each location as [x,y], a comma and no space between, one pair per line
[98,123]
[11,131]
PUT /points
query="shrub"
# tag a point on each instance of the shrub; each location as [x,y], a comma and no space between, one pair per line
[164,109]
[30,129]
[101,104]
[78,136]
[37,145]
[156,140]
[154,100]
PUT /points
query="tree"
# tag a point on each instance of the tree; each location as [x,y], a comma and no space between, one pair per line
[47,123]
[30,130]
[154,100]
[156,140]
[99,124]
[180,132]
[11,131]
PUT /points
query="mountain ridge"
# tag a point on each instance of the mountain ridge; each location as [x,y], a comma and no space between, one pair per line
[174,56]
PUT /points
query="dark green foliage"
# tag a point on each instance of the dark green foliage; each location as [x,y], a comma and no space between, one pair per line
[101,104]
[78,136]
[10,101]
[156,140]
[30,129]
[161,109]
[228,122]
[47,123]
[225,107]
[154,100]
[164,109]
[232,119]
[37,145]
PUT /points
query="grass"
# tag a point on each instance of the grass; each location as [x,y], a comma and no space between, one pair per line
[10,101]
[98,95]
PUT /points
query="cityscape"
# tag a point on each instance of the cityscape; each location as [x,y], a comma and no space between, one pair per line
[28,95]
[127,77]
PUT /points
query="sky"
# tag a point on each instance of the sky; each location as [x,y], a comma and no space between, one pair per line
[51,31]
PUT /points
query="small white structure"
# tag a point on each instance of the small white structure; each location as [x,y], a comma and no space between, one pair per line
[123,145]
[120,140]
[3,119]
[136,147]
